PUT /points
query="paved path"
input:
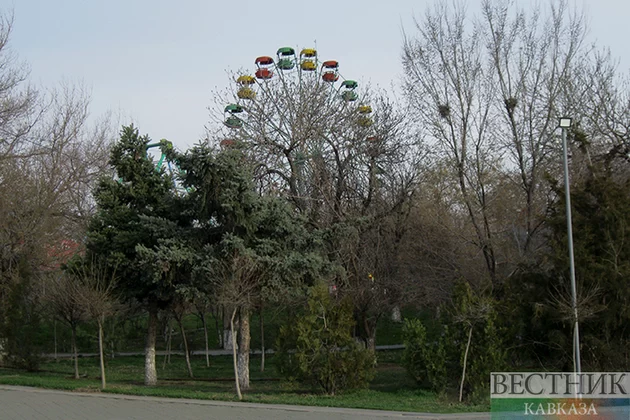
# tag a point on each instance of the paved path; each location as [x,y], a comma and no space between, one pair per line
[213,352]
[23,403]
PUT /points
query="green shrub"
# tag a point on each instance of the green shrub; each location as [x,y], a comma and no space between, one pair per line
[487,345]
[318,347]
[434,357]
[487,355]
[425,359]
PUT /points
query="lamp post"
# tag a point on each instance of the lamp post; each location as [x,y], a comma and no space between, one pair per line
[565,124]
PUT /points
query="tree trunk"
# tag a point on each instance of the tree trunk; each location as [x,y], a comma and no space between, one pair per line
[217,313]
[167,356]
[75,351]
[3,344]
[244,340]
[370,335]
[100,352]
[228,331]
[396,315]
[227,338]
[150,370]
[238,388]
[205,336]
[186,354]
[461,385]
[112,343]
[262,340]
[55,331]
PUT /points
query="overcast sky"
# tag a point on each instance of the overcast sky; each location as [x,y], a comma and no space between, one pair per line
[156,62]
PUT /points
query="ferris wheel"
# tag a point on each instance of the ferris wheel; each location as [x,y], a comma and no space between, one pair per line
[290,68]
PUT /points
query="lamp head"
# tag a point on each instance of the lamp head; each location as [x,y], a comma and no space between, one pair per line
[565,122]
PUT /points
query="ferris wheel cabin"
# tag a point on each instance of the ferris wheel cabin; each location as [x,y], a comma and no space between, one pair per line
[245,91]
[264,64]
[286,58]
[349,95]
[231,119]
[227,143]
[330,71]
[308,59]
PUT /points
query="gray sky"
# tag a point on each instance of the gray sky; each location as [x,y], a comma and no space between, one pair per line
[157,62]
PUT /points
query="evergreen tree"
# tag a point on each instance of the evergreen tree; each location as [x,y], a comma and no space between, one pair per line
[538,301]
[133,214]
[601,226]
[252,248]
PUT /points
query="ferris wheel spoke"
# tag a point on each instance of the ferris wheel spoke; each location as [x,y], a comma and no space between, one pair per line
[270,98]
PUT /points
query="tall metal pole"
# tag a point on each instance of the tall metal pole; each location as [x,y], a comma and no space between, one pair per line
[576,328]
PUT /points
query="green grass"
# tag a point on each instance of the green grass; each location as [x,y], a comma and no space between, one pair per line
[392,389]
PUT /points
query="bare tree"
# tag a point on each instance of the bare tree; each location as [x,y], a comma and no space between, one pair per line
[168,337]
[329,151]
[452,98]
[601,100]
[62,292]
[237,284]
[19,111]
[179,308]
[95,293]
[534,56]
[19,102]
[50,156]
[488,91]
[261,309]
[344,161]
[202,306]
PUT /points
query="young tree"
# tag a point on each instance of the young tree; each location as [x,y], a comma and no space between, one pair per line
[235,276]
[95,293]
[202,305]
[180,308]
[62,296]
[319,347]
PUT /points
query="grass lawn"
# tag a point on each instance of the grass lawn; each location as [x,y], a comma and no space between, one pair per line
[391,389]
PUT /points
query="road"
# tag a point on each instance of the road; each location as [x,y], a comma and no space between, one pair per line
[23,403]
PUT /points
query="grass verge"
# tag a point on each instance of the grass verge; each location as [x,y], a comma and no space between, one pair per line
[391,389]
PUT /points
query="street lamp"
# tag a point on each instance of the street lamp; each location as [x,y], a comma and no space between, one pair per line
[565,123]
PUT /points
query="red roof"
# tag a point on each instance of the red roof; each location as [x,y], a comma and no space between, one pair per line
[61,252]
